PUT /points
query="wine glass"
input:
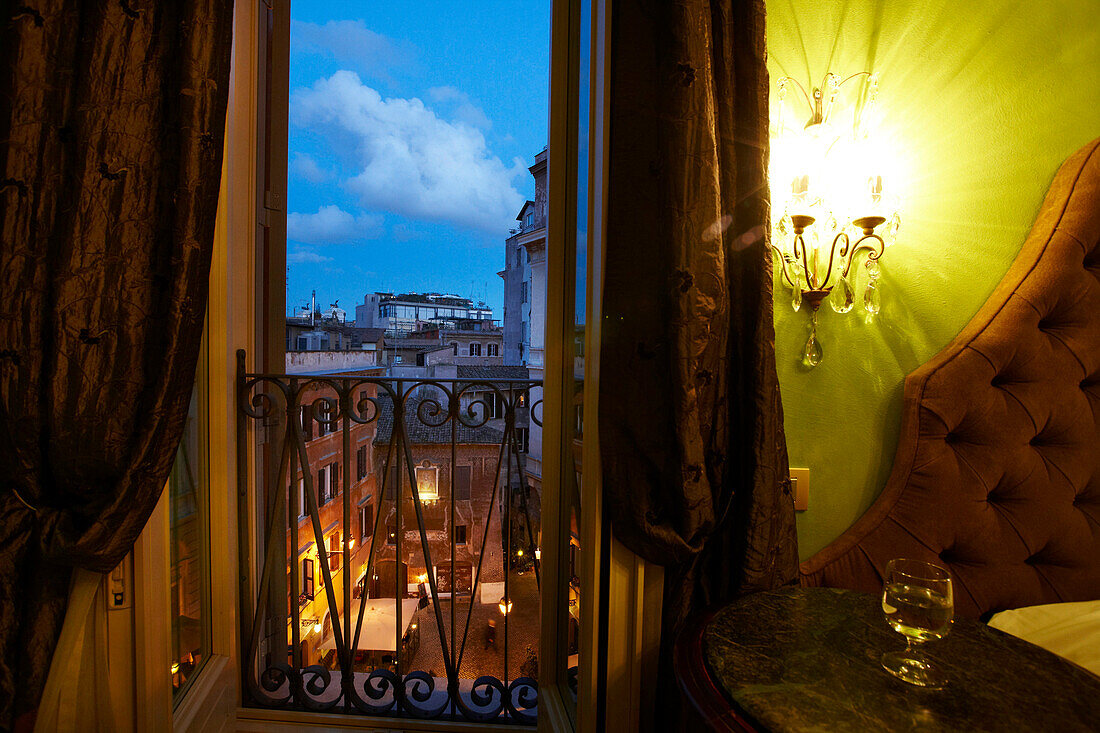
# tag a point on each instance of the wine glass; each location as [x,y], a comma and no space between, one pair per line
[918,602]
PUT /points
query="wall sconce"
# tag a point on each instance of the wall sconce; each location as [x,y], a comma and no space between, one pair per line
[831,190]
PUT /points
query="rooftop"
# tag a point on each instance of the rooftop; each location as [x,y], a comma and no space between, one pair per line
[421,434]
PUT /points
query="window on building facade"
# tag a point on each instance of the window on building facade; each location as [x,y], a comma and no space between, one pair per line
[361,463]
[307,578]
[391,484]
[366,520]
[523,436]
[303,508]
[333,479]
[322,495]
[460,534]
[307,421]
[462,482]
[523,291]
[334,553]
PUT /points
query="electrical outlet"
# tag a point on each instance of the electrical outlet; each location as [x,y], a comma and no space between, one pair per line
[800,487]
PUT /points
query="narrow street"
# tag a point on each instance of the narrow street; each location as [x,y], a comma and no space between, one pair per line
[482,656]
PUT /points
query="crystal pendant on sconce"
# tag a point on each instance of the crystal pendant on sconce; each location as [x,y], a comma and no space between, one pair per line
[812,353]
[892,228]
[842,297]
[872,299]
[785,225]
[796,289]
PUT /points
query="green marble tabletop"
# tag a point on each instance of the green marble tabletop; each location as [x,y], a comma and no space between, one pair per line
[807,659]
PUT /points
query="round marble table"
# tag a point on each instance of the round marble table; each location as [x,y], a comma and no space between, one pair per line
[807,659]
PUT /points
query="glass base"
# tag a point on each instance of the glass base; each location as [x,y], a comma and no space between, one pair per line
[914,669]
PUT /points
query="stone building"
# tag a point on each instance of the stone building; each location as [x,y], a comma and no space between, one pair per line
[325,463]
[525,300]
[525,261]
[467,483]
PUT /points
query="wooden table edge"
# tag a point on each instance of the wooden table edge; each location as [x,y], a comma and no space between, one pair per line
[697,684]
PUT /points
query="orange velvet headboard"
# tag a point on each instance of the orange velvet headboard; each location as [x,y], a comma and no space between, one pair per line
[997,472]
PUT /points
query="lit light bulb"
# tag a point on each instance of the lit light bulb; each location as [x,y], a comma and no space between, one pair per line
[505,605]
[538,553]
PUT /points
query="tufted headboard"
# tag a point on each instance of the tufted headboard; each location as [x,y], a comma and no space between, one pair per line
[997,472]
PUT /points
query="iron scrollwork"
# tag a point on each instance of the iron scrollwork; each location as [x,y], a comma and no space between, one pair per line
[275,672]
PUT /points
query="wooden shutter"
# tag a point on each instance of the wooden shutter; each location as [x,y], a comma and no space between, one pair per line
[462,483]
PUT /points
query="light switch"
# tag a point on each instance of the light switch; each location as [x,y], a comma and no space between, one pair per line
[800,487]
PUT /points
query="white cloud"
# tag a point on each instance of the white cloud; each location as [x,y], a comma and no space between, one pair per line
[353,45]
[299,256]
[331,225]
[408,159]
[462,108]
[307,169]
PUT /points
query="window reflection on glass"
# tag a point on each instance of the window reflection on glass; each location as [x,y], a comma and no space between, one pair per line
[572,596]
[188,538]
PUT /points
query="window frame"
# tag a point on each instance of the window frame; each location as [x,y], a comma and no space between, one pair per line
[262,290]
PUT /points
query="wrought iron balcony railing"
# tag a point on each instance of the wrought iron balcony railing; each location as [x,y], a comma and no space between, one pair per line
[397,530]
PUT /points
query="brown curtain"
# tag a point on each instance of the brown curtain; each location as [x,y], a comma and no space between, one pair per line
[691,429]
[112,116]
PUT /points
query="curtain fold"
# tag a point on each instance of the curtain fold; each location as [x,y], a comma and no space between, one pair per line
[112,116]
[691,437]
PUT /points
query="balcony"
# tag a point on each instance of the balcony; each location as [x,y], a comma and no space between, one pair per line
[395,569]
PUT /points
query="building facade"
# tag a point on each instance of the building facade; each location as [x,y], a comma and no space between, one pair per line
[406,312]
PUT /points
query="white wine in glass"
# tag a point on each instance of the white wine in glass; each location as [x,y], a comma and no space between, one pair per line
[918,603]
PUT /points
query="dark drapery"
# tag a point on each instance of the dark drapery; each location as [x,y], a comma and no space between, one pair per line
[691,432]
[112,116]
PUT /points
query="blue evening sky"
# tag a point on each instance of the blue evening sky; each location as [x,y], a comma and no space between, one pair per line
[411,129]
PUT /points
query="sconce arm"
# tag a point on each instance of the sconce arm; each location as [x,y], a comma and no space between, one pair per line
[832,253]
[783,265]
[800,246]
[875,250]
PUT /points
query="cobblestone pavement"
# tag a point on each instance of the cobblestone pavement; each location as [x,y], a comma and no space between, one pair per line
[480,656]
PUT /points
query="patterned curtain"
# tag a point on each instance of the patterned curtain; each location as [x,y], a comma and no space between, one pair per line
[112,116]
[691,433]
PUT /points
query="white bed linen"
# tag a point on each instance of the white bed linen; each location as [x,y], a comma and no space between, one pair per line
[1071,630]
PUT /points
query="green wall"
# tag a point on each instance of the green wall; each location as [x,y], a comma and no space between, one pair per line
[984,100]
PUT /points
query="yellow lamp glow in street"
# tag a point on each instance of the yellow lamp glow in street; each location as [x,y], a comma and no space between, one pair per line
[505,605]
